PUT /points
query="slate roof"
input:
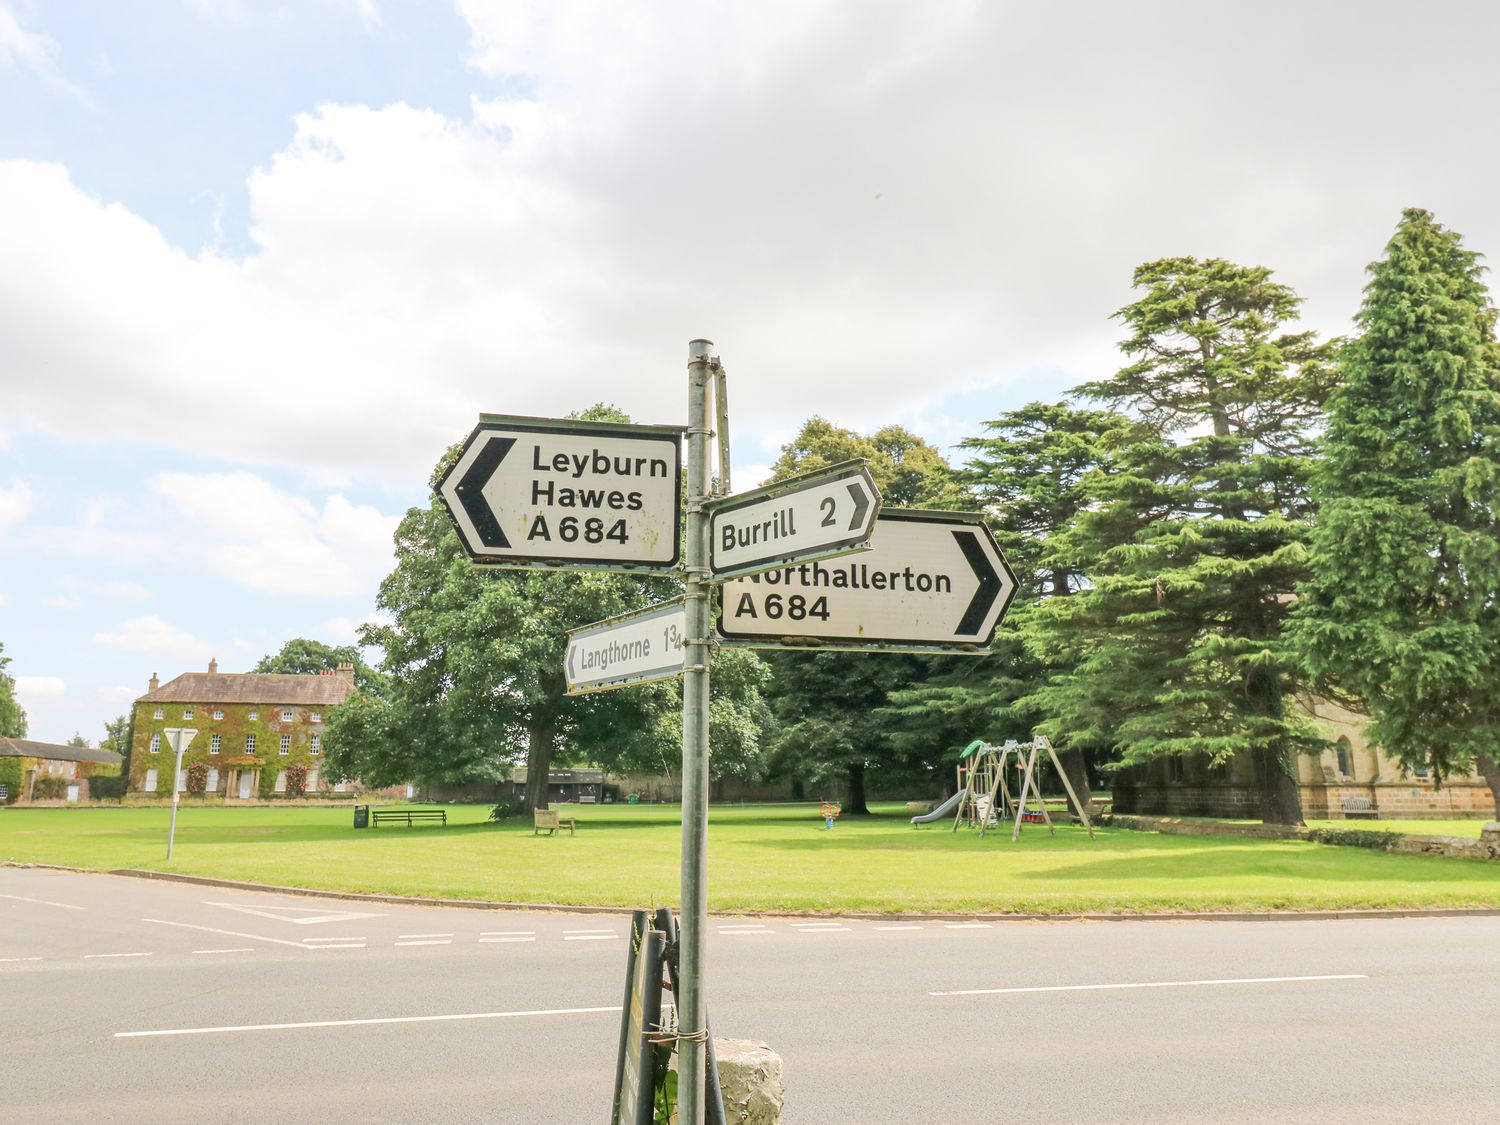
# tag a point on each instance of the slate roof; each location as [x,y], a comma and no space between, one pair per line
[25,748]
[252,687]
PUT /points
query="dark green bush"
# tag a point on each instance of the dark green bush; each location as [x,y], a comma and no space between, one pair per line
[46,788]
[506,808]
[1355,838]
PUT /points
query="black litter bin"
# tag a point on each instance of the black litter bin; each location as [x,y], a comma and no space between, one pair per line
[361,816]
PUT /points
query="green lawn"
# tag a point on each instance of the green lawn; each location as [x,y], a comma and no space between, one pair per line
[774,857]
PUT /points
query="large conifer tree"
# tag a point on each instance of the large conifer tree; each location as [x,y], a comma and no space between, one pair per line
[1194,542]
[1402,606]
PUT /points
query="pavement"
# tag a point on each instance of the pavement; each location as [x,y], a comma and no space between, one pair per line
[127,1000]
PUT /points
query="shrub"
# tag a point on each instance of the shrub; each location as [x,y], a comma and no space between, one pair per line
[1355,838]
[197,779]
[10,777]
[109,788]
[506,808]
[296,780]
[46,788]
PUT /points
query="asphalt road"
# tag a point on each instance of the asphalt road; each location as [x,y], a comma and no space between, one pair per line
[123,1000]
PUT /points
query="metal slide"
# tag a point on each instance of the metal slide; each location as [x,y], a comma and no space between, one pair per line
[941,811]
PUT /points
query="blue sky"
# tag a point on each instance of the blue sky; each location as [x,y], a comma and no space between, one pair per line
[260,262]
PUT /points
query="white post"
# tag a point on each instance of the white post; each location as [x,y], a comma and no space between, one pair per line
[176,788]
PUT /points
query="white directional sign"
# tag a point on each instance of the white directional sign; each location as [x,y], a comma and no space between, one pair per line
[814,516]
[633,648]
[588,495]
[931,581]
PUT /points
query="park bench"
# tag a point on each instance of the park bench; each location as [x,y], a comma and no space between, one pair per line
[552,820]
[1358,807]
[411,816]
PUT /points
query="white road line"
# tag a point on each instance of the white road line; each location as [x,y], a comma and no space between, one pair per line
[441,941]
[245,950]
[589,937]
[97,956]
[967,926]
[363,1023]
[507,933]
[324,940]
[504,939]
[7,960]
[818,927]
[743,930]
[902,927]
[44,902]
[405,937]
[351,945]
[1146,984]
[230,933]
[610,932]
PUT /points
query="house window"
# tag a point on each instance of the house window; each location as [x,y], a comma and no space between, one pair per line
[218,715]
[286,716]
[255,716]
[213,780]
[286,744]
[315,717]
[149,785]
[312,781]
[155,746]
[158,714]
[249,744]
[281,781]
[188,714]
[215,743]
[182,781]
[1341,750]
[317,744]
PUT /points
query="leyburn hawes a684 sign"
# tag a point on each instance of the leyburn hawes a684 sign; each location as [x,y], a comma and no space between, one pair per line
[549,492]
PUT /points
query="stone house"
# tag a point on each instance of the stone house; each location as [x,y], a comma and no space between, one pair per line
[23,762]
[255,730]
[1354,767]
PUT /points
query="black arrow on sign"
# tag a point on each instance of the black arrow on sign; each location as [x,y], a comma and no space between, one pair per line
[470,496]
[989,582]
[572,652]
[861,504]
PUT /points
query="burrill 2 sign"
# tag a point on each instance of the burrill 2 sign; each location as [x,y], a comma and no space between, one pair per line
[930,582]
[814,516]
[586,495]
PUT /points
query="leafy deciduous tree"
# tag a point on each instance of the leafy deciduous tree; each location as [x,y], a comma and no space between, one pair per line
[12,716]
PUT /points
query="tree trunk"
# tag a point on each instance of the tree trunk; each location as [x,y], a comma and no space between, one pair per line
[1489,769]
[538,767]
[856,802]
[1078,777]
[1280,796]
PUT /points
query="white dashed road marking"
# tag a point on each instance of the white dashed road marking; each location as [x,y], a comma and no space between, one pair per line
[967,926]
[44,902]
[362,1023]
[1145,984]
[908,926]
[244,950]
[6,960]
[100,956]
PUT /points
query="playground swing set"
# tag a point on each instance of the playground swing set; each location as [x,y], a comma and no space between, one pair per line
[984,794]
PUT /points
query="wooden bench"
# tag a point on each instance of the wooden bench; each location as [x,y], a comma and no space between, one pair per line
[1355,807]
[552,820]
[411,816]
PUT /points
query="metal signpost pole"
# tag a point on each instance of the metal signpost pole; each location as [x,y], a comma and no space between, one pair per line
[692,1004]
[176,789]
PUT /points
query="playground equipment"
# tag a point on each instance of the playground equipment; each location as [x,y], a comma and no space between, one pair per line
[984,793]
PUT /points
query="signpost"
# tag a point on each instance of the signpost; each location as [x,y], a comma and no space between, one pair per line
[931,582]
[537,492]
[814,516]
[634,648]
[182,738]
[586,495]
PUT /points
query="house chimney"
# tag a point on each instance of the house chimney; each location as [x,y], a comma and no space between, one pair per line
[345,672]
[155,683]
[213,666]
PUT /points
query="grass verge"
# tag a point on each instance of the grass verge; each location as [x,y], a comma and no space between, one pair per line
[766,858]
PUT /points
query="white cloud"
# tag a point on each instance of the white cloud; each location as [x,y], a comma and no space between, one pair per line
[345,630]
[867,204]
[15,502]
[114,589]
[274,540]
[63,602]
[40,687]
[31,50]
[152,636]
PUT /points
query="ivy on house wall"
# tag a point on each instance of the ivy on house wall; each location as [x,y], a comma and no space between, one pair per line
[233,729]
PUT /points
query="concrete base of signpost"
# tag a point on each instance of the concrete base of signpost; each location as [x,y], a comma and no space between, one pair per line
[750,1076]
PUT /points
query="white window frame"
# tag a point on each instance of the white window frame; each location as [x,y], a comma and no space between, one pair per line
[315,717]
[159,713]
[249,744]
[286,716]
[255,716]
[155,746]
[317,744]
[312,780]
[280,786]
[218,716]
[213,780]
[215,743]
[188,714]
[149,784]
[286,745]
